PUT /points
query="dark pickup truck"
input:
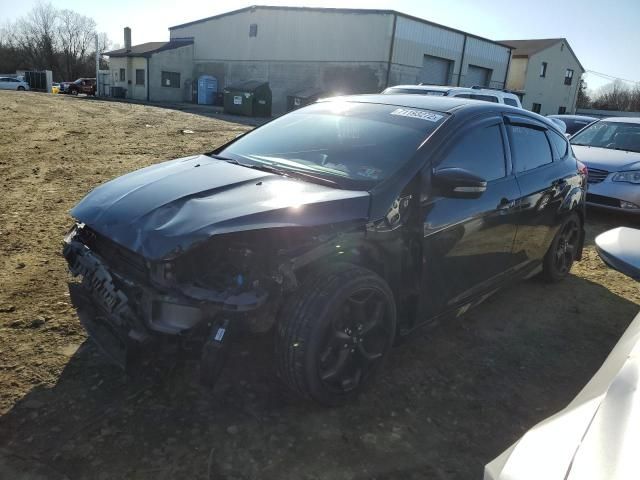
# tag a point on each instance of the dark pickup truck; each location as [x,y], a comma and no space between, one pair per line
[81,85]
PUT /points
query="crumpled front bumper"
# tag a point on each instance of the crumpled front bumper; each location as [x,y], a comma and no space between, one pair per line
[124,317]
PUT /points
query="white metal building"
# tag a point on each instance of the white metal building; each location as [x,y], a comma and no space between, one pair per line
[335,51]
[547,73]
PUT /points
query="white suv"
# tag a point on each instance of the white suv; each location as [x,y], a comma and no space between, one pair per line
[474,93]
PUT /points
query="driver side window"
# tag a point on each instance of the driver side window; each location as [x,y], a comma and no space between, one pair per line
[480,151]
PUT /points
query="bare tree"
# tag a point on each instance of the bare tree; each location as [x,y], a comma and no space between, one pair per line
[614,96]
[35,35]
[583,100]
[76,34]
[51,39]
[104,44]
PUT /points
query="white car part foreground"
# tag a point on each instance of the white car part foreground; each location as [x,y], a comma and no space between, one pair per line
[597,436]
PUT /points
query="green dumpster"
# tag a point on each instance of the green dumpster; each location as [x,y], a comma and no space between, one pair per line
[252,99]
[302,98]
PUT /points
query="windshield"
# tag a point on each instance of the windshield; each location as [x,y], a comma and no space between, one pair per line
[357,142]
[613,135]
[574,126]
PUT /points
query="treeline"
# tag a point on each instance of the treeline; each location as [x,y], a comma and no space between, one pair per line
[48,38]
[617,96]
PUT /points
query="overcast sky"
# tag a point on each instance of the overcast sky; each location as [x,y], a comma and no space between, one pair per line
[605,35]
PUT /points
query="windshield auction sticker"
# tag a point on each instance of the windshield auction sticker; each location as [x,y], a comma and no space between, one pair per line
[420,114]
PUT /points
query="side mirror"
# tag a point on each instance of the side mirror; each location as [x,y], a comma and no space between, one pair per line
[458,183]
[618,248]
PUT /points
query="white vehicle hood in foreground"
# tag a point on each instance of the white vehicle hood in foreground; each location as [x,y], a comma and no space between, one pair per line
[596,437]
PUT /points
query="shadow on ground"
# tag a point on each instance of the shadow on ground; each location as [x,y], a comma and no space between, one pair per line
[448,402]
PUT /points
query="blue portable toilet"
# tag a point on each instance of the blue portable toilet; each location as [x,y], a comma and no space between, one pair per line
[207,89]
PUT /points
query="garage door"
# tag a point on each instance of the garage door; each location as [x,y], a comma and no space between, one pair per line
[478,76]
[435,71]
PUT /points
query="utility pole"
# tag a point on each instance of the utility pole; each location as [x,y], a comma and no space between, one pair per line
[98,92]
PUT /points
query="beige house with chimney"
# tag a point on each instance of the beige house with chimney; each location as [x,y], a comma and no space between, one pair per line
[153,71]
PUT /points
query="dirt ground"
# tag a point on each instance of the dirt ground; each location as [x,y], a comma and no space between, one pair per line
[447,402]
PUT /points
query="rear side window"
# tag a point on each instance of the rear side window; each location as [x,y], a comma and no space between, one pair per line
[419,91]
[510,101]
[530,148]
[481,151]
[473,96]
[559,143]
[485,98]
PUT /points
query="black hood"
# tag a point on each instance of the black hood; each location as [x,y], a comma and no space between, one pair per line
[165,209]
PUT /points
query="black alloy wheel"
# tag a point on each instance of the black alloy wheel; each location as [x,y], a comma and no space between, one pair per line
[567,246]
[334,333]
[355,341]
[563,250]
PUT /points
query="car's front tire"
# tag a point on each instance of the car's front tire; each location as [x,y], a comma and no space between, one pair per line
[20,89]
[563,250]
[334,333]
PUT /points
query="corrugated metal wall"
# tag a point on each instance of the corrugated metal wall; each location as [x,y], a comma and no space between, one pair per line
[415,39]
[341,51]
[487,55]
[292,35]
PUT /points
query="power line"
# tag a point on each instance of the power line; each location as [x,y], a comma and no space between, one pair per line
[611,77]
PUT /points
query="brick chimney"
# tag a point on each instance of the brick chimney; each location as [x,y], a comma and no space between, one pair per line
[127,39]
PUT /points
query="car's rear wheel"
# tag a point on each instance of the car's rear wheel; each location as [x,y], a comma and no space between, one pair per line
[335,332]
[563,250]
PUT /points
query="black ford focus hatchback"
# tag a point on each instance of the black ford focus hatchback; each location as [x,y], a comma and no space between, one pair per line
[340,227]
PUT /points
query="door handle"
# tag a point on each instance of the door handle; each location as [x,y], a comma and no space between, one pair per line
[505,204]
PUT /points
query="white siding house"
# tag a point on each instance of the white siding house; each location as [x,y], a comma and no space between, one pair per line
[547,73]
[155,71]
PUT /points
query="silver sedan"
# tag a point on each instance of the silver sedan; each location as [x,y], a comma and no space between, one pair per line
[610,148]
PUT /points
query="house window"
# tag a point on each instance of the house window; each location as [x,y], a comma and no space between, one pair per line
[568,76]
[122,75]
[536,107]
[562,110]
[253,30]
[171,79]
[139,76]
[543,69]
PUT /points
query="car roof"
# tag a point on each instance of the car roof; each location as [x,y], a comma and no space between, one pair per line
[445,89]
[573,117]
[430,102]
[440,104]
[433,88]
[622,119]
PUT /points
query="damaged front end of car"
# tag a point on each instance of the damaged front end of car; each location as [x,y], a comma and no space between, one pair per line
[190,305]
[186,305]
